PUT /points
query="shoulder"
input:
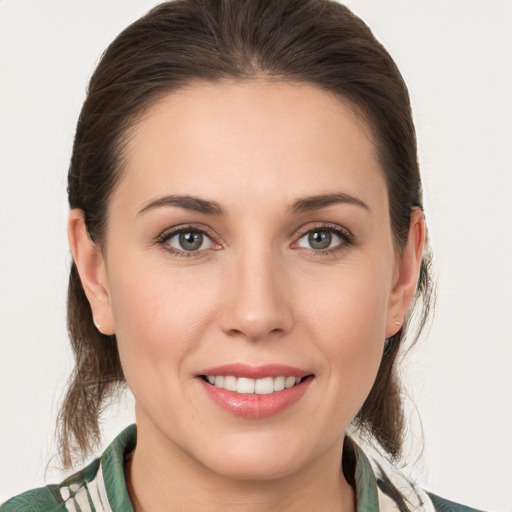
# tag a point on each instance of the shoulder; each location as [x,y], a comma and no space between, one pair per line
[56,498]
[382,486]
[45,499]
[99,487]
[443,505]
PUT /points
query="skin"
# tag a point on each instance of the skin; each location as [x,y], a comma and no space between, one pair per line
[256,292]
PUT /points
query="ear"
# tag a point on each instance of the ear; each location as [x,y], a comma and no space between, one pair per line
[406,273]
[90,264]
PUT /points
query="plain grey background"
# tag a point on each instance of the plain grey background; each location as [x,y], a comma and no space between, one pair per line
[456,58]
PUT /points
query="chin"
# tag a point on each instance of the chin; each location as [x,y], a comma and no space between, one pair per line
[249,469]
[257,459]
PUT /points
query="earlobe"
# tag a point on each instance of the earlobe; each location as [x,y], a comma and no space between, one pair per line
[408,269]
[90,264]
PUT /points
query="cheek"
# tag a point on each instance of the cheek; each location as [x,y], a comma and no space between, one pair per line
[349,305]
[347,319]
[160,318]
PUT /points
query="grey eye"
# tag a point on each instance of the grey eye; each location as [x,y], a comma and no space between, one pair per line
[320,239]
[189,241]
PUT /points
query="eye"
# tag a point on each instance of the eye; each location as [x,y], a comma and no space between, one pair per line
[187,240]
[323,239]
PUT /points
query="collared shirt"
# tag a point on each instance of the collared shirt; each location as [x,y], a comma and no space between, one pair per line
[101,486]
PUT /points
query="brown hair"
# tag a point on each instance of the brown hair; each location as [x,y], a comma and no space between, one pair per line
[315,41]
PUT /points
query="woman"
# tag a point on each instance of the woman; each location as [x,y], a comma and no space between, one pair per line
[247,234]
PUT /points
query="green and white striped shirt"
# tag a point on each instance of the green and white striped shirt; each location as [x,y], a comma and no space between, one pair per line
[101,487]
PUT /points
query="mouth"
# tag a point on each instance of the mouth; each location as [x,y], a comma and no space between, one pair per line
[254,392]
[247,386]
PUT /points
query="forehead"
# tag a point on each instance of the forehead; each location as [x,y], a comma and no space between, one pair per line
[249,138]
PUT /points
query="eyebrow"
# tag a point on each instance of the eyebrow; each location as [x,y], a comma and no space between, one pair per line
[311,203]
[186,202]
[207,207]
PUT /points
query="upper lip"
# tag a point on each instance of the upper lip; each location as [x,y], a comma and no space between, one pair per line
[256,371]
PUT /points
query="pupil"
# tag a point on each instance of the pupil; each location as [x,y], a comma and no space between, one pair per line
[320,239]
[191,241]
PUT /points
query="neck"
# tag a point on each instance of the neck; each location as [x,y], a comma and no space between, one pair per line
[161,478]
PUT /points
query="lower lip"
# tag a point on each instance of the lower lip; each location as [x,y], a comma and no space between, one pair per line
[253,406]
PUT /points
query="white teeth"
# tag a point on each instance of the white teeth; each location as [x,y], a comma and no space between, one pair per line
[279,383]
[264,386]
[245,385]
[230,383]
[289,382]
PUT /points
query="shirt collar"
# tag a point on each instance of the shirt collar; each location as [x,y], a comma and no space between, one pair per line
[112,465]
[363,476]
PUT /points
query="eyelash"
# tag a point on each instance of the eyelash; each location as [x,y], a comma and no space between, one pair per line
[345,235]
[164,238]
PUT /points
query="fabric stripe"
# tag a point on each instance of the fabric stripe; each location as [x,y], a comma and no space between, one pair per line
[99,493]
[386,504]
[70,505]
[82,499]
[65,493]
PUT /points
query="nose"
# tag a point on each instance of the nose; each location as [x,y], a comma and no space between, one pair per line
[256,302]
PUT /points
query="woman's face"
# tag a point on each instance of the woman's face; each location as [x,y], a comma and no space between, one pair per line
[249,240]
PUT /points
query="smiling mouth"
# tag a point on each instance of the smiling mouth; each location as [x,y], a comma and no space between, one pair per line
[248,386]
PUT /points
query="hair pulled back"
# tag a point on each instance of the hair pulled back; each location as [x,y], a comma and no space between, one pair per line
[318,42]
